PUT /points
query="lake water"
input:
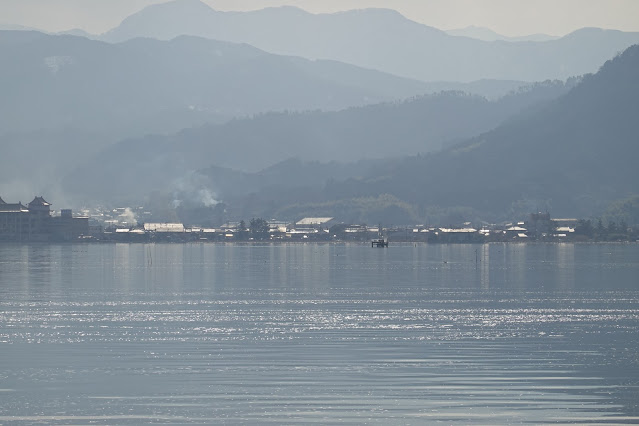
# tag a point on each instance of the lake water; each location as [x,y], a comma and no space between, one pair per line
[319,334]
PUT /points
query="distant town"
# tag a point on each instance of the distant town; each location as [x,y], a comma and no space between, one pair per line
[37,222]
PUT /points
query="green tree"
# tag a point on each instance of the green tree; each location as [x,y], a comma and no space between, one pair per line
[584,227]
[259,229]
[601,231]
[242,231]
[626,210]
[623,227]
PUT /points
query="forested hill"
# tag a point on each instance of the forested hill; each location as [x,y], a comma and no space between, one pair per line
[421,124]
[63,98]
[573,157]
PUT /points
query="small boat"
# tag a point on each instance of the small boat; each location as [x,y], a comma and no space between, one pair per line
[379,243]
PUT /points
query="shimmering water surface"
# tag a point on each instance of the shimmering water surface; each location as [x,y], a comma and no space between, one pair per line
[325,334]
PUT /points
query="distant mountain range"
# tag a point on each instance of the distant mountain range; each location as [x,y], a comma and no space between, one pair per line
[209,110]
[64,98]
[66,81]
[422,124]
[15,27]
[380,39]
[472,31]
[571,156]
[487,34]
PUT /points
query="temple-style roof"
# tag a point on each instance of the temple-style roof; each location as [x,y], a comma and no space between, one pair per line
[39,201]
[2,201]
[9,208]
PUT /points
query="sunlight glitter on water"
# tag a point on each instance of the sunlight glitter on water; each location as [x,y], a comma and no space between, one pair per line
[235,335]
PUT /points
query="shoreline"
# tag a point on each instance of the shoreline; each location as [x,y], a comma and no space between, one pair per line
[265,243]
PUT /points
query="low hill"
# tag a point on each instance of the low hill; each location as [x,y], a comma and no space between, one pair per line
[64,98]
[422,124]
[573,157]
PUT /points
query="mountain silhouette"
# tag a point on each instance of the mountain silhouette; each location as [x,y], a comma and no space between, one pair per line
[422,124]
[57,81]
[380,39]
[573,156]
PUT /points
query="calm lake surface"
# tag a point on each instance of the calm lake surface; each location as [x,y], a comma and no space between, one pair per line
[323,334]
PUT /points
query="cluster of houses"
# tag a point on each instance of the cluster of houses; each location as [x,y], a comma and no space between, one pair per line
[539,227]
[36,222]
[308,229]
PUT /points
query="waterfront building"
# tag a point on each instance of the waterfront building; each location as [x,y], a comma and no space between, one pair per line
[14,221]
[35,223]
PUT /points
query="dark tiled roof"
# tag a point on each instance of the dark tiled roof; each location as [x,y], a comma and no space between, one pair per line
[2,201]
[39,201]
[8,208]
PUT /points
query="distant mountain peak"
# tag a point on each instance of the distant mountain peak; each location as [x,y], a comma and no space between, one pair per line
[175,6]
[196,3]
[591,31]
[487,34]
[373,11]
[384,40]
[14,27]
[285,7]
[192,5]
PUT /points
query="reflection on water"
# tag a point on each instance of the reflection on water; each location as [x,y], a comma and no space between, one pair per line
[213,333]
[566,267]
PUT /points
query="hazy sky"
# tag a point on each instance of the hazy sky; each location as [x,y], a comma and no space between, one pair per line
[508,17]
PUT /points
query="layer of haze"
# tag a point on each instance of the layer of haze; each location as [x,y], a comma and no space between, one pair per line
[508,17]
